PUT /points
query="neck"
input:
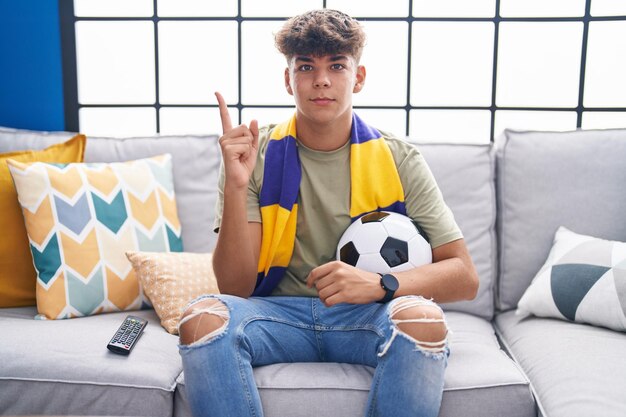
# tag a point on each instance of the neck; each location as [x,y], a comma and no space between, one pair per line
[324,136]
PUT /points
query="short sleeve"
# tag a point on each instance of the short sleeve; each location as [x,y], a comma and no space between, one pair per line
[423,198]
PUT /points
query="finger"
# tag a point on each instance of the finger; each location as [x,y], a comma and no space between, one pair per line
[334,299]
[241,153]
[310,280]
[315,275]
[237,132]
[224,115]
[241,145]
[241,140]
[322,271]
[236,151]
[325,282]
[327,291]
[254,129]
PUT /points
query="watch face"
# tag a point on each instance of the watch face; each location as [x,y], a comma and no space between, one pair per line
[390,282]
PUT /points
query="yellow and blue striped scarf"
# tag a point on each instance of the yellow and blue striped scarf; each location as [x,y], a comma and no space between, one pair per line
[374,182]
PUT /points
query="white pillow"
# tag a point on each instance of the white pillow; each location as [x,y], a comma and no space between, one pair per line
[583,280]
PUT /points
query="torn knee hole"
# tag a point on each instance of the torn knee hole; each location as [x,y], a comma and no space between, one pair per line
[203,321]
[426,335]
[420,321]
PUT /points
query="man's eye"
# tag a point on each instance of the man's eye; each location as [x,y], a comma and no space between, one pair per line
[337,66]
[305,68]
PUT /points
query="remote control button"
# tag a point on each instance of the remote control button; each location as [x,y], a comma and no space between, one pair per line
[126,335]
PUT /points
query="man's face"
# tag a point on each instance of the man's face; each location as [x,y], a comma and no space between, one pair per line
[323,86]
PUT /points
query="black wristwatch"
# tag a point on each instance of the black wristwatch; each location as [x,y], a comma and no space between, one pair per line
[390,285]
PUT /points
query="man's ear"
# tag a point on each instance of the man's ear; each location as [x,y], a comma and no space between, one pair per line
[359,79]
[288,82]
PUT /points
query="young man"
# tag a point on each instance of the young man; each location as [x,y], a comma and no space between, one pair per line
[287,193]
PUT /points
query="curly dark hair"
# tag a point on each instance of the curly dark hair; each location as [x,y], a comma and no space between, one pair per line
[321,32]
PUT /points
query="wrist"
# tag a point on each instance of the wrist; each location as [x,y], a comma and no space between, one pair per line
[235,188]
[235,203]
[378,291]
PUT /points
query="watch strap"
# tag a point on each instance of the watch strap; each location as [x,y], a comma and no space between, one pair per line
[388,293]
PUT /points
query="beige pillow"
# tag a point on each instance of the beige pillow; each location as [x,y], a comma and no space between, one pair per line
[171,280]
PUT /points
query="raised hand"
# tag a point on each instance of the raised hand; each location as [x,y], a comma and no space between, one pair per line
[239,146]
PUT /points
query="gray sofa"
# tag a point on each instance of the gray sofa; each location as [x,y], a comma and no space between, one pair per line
[509,199]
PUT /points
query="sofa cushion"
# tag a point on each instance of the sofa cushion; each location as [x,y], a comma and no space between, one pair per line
[481,380]
[196,161]
[17,274]
[465,175]
[551,179]
[82,218]
[172,280]
[575,370]
[63,367]
[583,280]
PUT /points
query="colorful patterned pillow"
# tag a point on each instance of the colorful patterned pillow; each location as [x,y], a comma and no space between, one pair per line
[82,218]
[172,280]
[17,275]
[583,280]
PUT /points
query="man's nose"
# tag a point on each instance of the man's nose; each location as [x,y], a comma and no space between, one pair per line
[321,80]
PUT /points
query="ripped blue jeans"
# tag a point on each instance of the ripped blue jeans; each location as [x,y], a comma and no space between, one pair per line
[258,331]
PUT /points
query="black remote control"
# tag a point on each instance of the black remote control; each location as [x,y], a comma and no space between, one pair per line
[126,336]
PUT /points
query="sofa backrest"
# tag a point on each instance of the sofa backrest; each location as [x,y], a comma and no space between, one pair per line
[546,180]
[195,161]
[465,175]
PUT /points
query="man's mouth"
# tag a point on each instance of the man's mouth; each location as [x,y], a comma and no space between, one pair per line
[322,100]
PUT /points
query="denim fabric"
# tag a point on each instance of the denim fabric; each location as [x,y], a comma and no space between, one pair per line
[408,380]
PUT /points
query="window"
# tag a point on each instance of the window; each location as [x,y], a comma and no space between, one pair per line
[446,70]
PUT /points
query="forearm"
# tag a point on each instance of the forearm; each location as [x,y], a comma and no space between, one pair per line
[235,258]
[451,277]
[444,281]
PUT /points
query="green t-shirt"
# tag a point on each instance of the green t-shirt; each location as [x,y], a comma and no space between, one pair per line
[324,204]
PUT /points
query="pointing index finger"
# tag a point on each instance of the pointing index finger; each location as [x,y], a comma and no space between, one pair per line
[224,115]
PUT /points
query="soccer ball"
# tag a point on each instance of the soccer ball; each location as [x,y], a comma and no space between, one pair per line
[384,242]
